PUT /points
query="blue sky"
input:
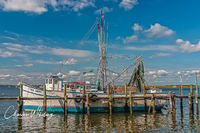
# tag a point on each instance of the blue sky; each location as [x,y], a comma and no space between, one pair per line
[37,36]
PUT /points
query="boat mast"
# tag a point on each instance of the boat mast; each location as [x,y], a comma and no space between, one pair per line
[102,60]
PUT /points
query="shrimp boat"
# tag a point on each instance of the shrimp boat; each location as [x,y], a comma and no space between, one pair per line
[55,88]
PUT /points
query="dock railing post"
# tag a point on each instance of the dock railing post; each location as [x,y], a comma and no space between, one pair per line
[65,97]
[45,99]
[191,91]
[130,101]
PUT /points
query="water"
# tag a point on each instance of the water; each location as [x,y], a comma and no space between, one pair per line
[102,122]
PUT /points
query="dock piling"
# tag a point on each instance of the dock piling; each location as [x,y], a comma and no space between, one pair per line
[181,100]
[65,96]
[131,106]
[88,103]
[197,104]
[110,104]
[170,101]
[189,99]
[83,98]
[150,105]
[174,102]
[20,101]
[192,102]
[45,99]
[154,110]
[196,95]
[108,90]
[125,87]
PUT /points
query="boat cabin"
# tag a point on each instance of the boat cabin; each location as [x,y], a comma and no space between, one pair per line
[75,84]
[53,83]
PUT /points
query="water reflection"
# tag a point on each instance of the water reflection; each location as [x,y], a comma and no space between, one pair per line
[44,124]
[19,123]
[117,122]
[173,121]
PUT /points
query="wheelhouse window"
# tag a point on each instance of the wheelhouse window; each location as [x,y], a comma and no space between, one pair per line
[55,81]
[46,81]
[50,81]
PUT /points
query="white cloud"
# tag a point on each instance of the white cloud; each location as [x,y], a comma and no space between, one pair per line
[130,39]
[153,47]
[77,5]
[158,31]
[188,72]
[70,61]
[74,73]
[157,73]
[160,55]
[105,10]
[89,74]
[5,54]
[41,6]
[36,6]
[25,65]
[4,75]
[128,4]
[70,52]
[118,38]
[41,49]
[186,46]
[137,27]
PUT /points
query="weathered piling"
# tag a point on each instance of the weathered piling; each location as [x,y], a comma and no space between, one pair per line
[110,104]
[170,101]
[125,87]
[145,101]
[45,99]
[154,109]
[65,96]
[88,103]
[150,105]
[197,104]
[181,99]
[196,82]
[189,100]
[192,102]
[173,102]
[83,98]
[108,90]
[19,105]
[196,95]
[20,101]
[130,100]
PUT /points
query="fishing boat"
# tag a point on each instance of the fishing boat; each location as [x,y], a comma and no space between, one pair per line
[55,88]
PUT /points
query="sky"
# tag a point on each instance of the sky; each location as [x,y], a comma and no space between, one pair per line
[40,37]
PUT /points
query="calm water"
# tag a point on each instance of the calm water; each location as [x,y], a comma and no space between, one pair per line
[103,122]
